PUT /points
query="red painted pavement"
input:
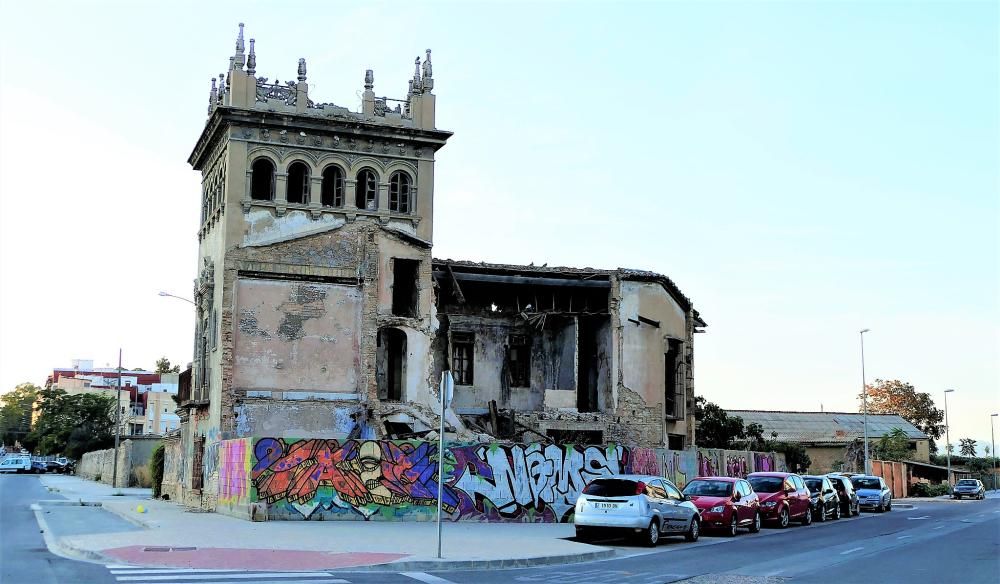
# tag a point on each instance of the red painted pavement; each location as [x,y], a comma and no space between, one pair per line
[247,559]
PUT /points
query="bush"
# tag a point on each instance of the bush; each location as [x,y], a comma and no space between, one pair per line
[155,470]
[928,490]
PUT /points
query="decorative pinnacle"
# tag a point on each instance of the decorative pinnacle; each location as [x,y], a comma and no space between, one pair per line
[252,61]
[369,80]
[213,96]
[416,71]
[238,58]
[427,64]
[302,70]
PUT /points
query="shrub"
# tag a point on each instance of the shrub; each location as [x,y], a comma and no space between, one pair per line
[928,490]
[155,470]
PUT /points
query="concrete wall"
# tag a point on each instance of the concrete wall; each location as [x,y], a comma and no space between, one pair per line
[328,479]
[171,486]
[132,454]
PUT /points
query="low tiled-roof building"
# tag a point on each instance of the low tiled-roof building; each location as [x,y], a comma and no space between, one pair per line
[833,440]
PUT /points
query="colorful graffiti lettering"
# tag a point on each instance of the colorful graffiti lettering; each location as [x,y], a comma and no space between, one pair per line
[644,461]
[234,470]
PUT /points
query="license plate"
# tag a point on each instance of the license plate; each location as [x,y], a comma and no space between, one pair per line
[606,505]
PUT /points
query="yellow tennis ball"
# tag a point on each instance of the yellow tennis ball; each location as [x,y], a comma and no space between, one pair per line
[140,509]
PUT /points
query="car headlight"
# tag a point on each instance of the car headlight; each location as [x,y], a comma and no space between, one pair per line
[770,503]
[717,509]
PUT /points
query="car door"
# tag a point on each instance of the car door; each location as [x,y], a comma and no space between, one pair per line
[678,514]
[740,506]
[657,496]
[801,496]
[886,493]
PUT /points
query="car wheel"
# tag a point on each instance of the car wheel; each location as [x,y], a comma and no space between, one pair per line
[652,534]
[836,512]
[733,526]
[783,518]
[807,518]
[821,516]
[888,505]
[694,530]
[857,509]
[755,526]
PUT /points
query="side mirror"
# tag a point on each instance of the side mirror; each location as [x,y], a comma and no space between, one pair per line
[789,490]
[828,492]
[736,496]
[687,497]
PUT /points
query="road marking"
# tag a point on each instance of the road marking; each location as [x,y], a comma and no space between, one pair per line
[921,517]
[904,536]
[243,576]
[425,577]
[851,551]
[170,571]
[309,581]
[939,527]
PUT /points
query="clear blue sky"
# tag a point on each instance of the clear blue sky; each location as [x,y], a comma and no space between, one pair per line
[801,170]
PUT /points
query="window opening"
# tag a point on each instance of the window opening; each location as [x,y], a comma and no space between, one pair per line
[670,385]
[399,193]
[462,352]
[297,190]
[519,358]
[366,193]
[391,367]
[332,194]
[262,180]
[404,287]
[675,442]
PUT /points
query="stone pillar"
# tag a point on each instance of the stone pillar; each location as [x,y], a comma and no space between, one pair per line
[383,197]
[315,201]
[280,192]
[350,193]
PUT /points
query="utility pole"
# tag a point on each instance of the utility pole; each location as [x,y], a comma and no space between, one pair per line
[993,453]
[118,428]
[864,399]
[947,436]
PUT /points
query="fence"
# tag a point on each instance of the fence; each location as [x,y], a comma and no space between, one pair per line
[895,475]
[319,479]
[133,455]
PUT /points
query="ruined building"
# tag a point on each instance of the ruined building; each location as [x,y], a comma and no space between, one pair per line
[322,313]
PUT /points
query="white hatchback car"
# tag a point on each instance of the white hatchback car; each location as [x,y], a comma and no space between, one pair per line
[643,506]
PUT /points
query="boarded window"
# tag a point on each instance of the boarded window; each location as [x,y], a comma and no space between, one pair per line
[298,183]
[462,352]
[404,287]
[519,357]
[333,187]
[366,190]
[198,464]
[262,180]
[399,192]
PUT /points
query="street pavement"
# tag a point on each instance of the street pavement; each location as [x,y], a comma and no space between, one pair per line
[927,541]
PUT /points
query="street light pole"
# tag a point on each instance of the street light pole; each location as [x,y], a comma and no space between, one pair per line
[947,436]
[993,453]
[177,297]
[864,399]
[118,428]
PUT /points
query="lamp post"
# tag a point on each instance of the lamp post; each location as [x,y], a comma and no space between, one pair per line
[118,427]
[947,436]
[177,297]
[993,453]
[864,399]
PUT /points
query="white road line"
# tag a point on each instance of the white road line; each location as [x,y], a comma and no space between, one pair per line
[904,536]
[309,581]
[921,517]
[851,551]
[118,566]
[170,571]
[425,577]
[939,527]
[243,576]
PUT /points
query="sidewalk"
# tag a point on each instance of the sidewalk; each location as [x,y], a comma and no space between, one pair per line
[172,536]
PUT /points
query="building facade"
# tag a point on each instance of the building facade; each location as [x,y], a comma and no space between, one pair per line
[321,312]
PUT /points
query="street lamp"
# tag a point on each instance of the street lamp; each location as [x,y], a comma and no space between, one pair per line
[177,297]
[947,436]
[993,453]
[864,399]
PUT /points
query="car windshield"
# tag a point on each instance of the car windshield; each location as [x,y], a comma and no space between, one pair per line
[866,483]
[709,488]
[966,483]
[766,484]
[611,488]
[815,485]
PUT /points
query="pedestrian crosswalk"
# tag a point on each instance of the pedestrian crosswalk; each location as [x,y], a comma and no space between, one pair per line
[144,575]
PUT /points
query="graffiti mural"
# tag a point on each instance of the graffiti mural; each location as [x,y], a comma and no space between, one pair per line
[321,479]
[764,462]
[234,471]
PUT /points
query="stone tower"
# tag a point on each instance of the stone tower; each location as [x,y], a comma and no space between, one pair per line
[314,294]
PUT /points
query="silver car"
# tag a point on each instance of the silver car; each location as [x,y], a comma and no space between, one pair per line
[643,507]
[972,488]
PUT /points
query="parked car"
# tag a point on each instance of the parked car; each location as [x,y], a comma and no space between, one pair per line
[848,497]
[39,467]
[872,492]
[641,506]
[969,488]
[17,463]
[725,503]
[56,466]
[825,501]
[783,497]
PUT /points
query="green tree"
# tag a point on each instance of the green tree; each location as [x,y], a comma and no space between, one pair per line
[73,424]
[893,446]
[967,447]
[796,458]
[717,429]
[898,397]
[15,413]
[163,366]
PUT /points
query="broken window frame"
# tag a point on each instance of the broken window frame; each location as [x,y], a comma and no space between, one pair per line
[332,189]
[463,352]
[256,181]
[672,385]
[405,287]
[297,183]
[366,190]
[519,369]
[400,192]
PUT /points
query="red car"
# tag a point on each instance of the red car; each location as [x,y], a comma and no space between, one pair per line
[783,497]
[725,503]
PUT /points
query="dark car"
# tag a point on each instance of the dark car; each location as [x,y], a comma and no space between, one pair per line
[38,467]
[972,488]
[849,504]
[825,502]
[55,466]
[783,497]
[725,503]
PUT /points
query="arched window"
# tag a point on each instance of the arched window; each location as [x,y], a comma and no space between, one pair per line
[298,183]
[399,192]
[366,193]
[262,180]
[333,187]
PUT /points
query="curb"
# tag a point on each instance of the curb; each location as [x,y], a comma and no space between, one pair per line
[58,547]
[506,563]
[127,517]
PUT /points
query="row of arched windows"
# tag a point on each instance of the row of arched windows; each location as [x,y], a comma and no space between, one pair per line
[262,186]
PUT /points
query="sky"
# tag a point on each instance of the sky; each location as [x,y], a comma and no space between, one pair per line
[802,170]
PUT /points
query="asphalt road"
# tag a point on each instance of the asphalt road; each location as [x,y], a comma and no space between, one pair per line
[939,542]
